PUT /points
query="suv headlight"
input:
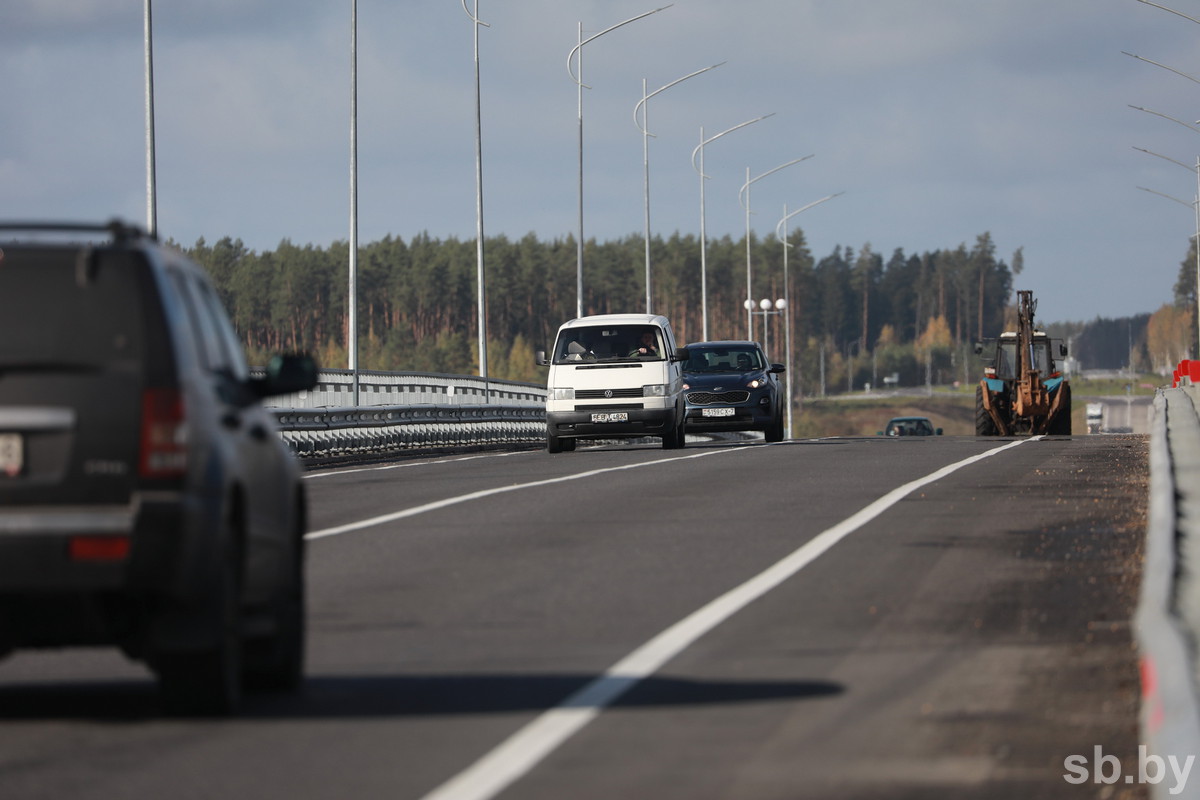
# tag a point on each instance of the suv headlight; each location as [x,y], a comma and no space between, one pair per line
[654,390]
[562,394]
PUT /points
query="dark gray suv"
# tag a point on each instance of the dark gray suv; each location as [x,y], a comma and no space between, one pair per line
[146,499]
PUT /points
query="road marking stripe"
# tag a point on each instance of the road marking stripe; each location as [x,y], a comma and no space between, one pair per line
[384,467]
[466,498]
[518,754]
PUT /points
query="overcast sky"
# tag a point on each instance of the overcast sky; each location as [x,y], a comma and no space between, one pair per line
[939,119]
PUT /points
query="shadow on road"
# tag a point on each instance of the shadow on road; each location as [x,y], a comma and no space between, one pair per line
[393,696]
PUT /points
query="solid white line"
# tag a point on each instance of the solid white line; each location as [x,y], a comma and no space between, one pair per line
[406,465]
[518,754]
[466,498]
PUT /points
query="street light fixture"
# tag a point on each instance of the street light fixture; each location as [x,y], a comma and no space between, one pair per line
[744,199]
[642,125]
[766,305]
[577,76]
[703,235]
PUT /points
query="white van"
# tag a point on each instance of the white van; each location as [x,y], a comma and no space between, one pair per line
[614,376]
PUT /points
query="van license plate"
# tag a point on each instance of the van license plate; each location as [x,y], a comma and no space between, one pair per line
[611,416]
[716,412]
[12,455]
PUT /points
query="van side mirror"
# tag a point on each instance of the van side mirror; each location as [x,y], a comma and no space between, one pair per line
[681,354]
[540,358]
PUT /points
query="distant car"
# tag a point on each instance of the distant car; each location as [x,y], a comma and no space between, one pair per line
[910,426]
[730,386]
[147,500]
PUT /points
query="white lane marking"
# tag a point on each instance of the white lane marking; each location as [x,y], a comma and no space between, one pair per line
[384,467]
[466,498]
[518,754]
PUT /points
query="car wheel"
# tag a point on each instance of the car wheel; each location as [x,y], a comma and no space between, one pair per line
[276,662]
[677,438]
[208,682]
[774,433]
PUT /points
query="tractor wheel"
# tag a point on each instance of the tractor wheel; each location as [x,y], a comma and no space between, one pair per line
[984,424]
[1061,424]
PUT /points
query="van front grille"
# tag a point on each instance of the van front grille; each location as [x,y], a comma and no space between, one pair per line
[602,394]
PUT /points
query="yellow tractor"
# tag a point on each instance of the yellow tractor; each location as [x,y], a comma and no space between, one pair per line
[1023,391]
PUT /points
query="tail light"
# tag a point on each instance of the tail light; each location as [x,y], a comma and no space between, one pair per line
[164,434]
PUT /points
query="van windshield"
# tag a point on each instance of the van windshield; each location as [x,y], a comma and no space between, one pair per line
[609,343]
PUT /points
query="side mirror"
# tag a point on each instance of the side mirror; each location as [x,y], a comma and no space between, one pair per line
[540,358]
[1062,350]
[681,354]
[979,348]
[939,431]
[286,374]
[777,368]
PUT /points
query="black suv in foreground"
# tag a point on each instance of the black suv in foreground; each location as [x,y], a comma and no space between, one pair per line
[730,386]
[146,499]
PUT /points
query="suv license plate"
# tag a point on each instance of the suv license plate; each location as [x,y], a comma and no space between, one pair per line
[716,412]
[611,416]
[12,454]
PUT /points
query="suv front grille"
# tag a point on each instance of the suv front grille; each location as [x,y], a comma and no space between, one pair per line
[602,394]
[708,398]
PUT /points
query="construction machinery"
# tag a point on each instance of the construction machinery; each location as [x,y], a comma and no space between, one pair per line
[1023,390]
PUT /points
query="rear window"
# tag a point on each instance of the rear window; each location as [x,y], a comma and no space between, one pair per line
[56,312]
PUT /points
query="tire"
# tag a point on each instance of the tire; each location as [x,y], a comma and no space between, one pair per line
[557,444]
[208,682]
[984,424]
[276,662]
[775,432]
[676,438]
[1061,424]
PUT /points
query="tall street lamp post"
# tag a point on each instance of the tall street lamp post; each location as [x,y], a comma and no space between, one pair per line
[744,199]
[352,289]
[781,234]
[642,125]
[481,291]
[575,68]
[151,192]
[703,235]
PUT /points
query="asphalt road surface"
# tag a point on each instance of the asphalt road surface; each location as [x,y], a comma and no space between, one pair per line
[844,618]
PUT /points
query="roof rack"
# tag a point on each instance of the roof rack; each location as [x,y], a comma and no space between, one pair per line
[119,230]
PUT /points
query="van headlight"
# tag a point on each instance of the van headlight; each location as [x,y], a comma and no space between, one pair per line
[654,390]
[562,394]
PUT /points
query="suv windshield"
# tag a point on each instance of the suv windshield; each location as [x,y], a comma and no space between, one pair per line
[609,343]
[733,358]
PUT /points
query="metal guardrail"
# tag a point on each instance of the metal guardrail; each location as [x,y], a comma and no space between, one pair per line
[333,433]
[1167,621]
[400,412]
